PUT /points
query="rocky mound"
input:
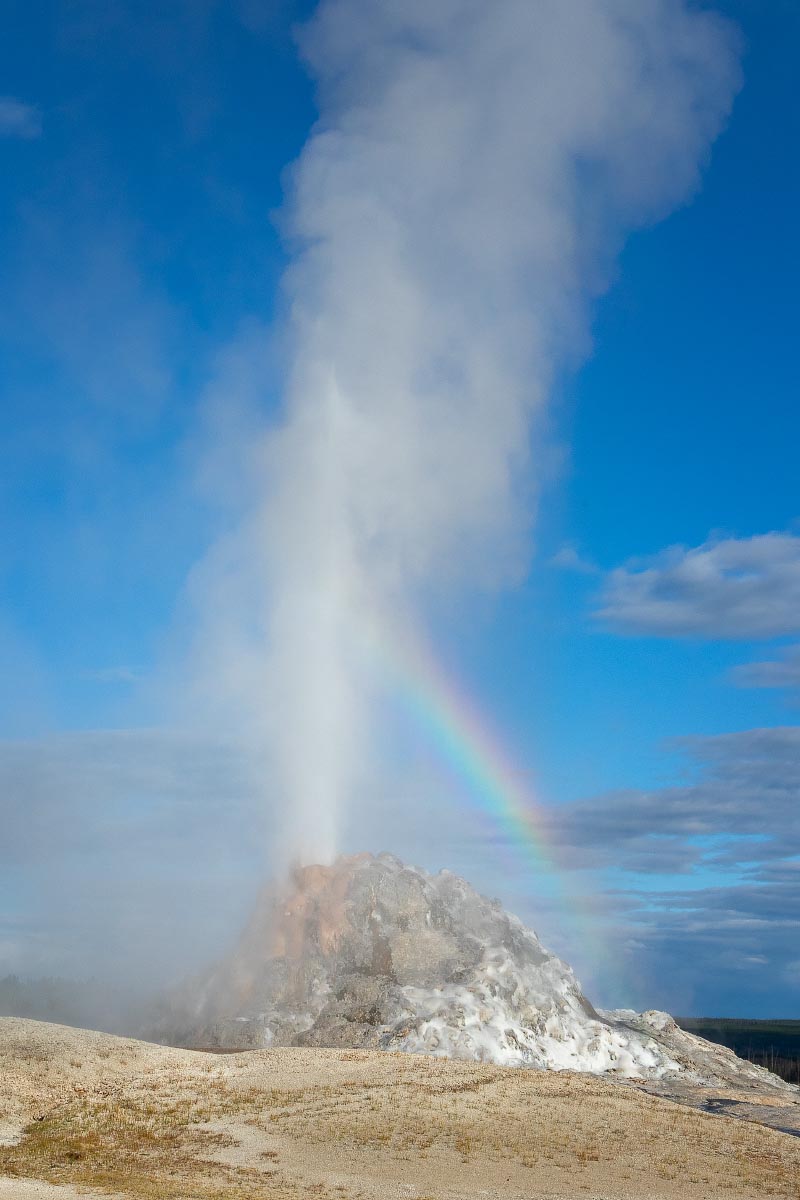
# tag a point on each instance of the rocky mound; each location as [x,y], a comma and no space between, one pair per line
[370,953]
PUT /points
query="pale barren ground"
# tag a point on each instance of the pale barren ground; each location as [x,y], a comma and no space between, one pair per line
[81,1111]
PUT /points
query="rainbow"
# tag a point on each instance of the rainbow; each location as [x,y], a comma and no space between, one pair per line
[464,739]
[495,788]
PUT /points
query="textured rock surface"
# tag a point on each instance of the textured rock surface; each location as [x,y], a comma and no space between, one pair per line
[370,953]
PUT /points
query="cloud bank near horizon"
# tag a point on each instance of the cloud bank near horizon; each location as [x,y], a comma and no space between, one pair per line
[687,869]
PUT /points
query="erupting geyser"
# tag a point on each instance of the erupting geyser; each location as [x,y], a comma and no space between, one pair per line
[459,203]
[370,953]
[462,198]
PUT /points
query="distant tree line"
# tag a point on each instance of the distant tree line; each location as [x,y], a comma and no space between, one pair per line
[773,1044]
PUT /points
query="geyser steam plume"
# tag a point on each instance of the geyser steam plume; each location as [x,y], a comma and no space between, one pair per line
[473,172]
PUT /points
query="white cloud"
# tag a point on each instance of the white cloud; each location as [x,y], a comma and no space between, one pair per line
[19,120]
[569,558]
[783,672]
[732,588]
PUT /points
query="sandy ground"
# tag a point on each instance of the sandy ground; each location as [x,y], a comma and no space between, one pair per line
[83,1113]
[34,1189]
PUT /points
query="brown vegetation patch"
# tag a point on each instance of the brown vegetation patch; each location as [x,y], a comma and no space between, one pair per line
[155,1124]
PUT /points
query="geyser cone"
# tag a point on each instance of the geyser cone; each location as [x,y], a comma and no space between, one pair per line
[372,953]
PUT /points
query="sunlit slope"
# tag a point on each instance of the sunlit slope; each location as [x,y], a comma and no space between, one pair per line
[144,1121]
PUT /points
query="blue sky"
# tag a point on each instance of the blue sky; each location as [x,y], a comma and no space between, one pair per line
[143,154]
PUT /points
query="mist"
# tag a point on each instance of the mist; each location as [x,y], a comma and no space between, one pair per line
[457,207]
